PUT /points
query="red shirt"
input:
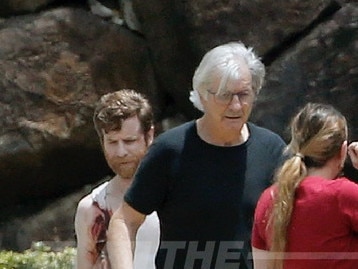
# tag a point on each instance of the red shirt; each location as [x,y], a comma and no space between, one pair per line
[323,232]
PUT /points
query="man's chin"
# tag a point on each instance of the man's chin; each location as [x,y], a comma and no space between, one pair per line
[129,174]
[125,170]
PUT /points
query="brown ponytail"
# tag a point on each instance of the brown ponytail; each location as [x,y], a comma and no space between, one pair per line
[317,132]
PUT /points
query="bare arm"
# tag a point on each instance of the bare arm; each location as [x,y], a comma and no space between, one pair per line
[121,236]
[260,257]
[86,255]
[353,153]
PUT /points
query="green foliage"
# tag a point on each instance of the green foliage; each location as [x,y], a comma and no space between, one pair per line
[39,257]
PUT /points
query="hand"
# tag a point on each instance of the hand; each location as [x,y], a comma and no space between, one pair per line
[353,153]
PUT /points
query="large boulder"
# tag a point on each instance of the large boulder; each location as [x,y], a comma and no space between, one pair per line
[12,7]
[54,65]
[320,67]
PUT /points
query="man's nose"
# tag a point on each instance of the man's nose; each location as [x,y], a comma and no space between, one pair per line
[121,150]
[235,102]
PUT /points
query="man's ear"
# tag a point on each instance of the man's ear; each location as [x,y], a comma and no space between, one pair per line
[202,98]
[203,101]
[150,136]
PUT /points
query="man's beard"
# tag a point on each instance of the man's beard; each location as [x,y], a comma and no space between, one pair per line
[124,168]
[127,170]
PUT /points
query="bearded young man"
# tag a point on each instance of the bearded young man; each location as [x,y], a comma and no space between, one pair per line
[124,123]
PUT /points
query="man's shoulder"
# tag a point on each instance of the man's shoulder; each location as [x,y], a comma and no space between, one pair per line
[99,188]
[260,130]
[267,142]
[176,134]
[182,128]
[264,134]
[85,209]
[98,195]
[85,202]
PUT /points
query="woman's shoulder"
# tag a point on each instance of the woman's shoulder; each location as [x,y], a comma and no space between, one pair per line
[266,197]
[345,187]
[339,188]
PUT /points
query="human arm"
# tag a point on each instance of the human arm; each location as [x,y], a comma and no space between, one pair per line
[347,197]
[353,153]
[86,254]
[121,236]
[260,258]
[259,242]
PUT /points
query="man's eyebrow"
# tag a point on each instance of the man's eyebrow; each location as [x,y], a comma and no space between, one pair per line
[131,137]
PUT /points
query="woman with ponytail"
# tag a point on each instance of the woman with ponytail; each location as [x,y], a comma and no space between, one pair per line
[308,219]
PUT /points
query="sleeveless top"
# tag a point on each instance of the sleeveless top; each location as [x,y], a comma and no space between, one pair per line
[147,239]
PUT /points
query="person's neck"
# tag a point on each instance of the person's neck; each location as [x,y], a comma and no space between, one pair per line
[329,171]
[117,186]
[218,137]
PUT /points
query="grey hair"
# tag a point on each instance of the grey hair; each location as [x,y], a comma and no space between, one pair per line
[225,60]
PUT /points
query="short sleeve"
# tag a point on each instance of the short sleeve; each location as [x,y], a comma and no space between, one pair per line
[151,181]
[262,212]
[348,202]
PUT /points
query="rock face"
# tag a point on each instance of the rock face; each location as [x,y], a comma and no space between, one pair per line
[320,67]
[53,223]
[180,32]
[53,67]
[11,7]
[55,64]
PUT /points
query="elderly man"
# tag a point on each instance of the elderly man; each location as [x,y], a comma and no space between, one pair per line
[203,178]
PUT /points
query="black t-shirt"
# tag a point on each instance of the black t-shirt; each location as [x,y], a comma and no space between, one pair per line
[205,195]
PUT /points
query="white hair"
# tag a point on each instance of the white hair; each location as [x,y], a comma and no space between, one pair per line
[224,61]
